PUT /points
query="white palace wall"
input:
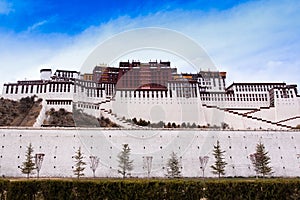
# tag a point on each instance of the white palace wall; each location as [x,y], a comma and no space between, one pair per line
[59,145]
[286,108]
[164,109]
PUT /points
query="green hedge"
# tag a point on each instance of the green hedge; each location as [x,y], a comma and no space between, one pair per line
[150,189]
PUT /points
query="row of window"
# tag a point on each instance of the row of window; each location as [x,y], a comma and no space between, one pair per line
[96,91]
[184,89]
[184,92]
[144,94]
[92,92]
[88,106]
[59,102]
[65,74]
[86,83]
[254,88]
[15,89]
[239,97]
[60,88]
[217,97]
[215,82]
[252,97]
[284,94]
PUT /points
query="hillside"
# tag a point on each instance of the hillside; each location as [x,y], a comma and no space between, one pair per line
[19,113]
[64,118]
[59,118]
[25,112]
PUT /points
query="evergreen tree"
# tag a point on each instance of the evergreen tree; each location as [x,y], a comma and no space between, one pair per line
[219,166]
[261,160]
[79,163]
[28,166]
[173,166]
[125,164]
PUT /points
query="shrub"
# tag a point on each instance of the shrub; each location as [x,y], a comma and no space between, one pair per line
[151,189]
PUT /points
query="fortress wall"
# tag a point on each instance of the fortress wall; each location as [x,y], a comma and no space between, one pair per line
[59,145]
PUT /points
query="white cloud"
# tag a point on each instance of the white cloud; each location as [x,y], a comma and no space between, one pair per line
[5,7]
[36,25]
[255,41]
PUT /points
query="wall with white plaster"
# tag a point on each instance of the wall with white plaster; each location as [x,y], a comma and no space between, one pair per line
[59,145]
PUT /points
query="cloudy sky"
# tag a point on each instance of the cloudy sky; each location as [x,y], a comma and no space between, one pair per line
[252,40]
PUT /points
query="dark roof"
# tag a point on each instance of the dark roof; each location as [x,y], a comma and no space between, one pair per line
[233,84]
[46,70]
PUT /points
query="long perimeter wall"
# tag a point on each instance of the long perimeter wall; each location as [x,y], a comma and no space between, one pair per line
[59,146]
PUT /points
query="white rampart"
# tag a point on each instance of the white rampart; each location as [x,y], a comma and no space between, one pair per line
[59,145]
[164,109]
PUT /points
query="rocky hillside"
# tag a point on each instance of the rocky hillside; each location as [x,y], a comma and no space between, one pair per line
[64,118]
[19,113]
[59,118]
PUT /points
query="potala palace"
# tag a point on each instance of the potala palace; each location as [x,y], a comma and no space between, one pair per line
[156,92]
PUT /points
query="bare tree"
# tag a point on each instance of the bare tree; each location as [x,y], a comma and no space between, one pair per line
[149,164]
[203,162]
[94,161]
[39,157]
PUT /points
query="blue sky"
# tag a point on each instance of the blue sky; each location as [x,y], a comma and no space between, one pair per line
[73,17]
[251,40]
